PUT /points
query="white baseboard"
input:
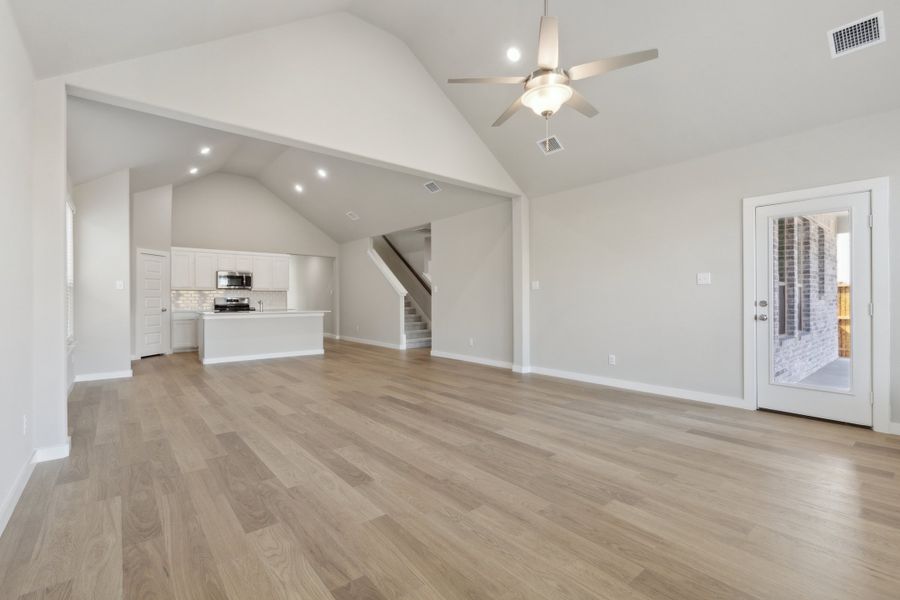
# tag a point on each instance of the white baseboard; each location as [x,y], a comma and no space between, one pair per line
[893,428]
[489,362]
[51,452]
[102,376]
[12,497]
[521,369]
[248,357]
[331,336]
[648,388]
[374,343]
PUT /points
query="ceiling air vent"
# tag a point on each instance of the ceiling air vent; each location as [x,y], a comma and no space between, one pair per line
[432,187]
[550,145]
[860,34]
[352,215]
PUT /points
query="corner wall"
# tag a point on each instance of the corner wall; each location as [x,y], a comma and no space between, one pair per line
[617,261]
[16,345]
[102,263]
[472,286]
[371,307]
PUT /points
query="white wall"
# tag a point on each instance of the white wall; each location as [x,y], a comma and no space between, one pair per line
[311,286]
[617,261]
[261,83]
[16,113]
[371,308]
[472,279]
[231,212]
[103,258]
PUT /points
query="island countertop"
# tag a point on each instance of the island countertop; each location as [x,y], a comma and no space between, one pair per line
[242,336]
[254,314]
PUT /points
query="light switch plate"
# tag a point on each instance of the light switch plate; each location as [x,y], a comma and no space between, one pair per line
[120,285]
[535,285]
[704,278]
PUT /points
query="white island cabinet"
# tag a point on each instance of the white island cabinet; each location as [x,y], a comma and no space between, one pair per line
[242,336]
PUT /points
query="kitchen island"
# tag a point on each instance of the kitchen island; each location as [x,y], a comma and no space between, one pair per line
[241,336]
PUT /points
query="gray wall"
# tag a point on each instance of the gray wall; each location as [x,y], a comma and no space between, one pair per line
[312,286]
[617,261]
[151,229]
[102,258]
[230,212]
[16,113]
[471,271]
[370,307]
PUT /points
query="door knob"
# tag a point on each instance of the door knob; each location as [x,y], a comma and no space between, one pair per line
[762,317]
[164,309]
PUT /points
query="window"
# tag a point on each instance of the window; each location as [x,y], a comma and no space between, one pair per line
[70,273]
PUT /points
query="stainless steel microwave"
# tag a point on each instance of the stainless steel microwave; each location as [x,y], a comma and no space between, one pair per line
[234,280]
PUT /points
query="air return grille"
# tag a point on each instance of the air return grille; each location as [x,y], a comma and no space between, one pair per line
[550,145]
[432,187]
[860,34]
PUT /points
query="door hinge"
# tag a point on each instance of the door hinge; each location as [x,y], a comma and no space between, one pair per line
[871,309]
[871,221]
[872,398]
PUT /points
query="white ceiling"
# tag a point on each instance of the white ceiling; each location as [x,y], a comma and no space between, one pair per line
[729,73]
[159,151]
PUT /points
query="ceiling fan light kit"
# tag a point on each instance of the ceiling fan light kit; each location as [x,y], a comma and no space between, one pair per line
[549,88]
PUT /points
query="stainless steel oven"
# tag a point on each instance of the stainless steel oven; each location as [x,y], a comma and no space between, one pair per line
[234,280]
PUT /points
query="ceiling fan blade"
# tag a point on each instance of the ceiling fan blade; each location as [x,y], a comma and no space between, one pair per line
[605,65]
[502,80]
[548,45]
[580,103]
[513,109]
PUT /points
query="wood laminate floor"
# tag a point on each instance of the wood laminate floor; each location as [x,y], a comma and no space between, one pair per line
[375,474]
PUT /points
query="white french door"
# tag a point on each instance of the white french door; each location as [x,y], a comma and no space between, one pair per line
[153,321]
[813,301]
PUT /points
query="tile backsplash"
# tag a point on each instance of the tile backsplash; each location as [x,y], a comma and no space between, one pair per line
[203,300]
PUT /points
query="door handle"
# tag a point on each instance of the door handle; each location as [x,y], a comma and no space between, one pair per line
[164,309]
[761,317]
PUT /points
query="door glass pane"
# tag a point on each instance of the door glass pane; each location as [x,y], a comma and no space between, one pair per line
[810,313]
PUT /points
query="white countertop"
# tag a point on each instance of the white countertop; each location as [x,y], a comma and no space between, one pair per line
[260,314]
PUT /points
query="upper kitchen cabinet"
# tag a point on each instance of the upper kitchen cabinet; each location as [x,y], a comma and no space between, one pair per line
[227,262]
[243,263]
[281,267]
[263,273]
[182,270]
[205,267]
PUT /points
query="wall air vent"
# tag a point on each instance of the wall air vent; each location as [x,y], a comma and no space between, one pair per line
[550,145]
[352,215]
[432,187]
[860,34]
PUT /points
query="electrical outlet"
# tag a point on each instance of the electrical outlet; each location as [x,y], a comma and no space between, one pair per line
[471,342]
[24,424]
[612,360]
[357,329]
[535,285]
[704,278]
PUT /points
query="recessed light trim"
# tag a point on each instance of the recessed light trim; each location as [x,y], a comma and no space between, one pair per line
[193,170]
[322,173]
[513,54]
[205,150]
[298,188]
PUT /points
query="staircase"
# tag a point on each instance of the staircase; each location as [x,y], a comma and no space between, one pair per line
[418,331]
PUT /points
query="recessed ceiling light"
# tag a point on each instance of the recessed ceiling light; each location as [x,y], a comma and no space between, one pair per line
[205,150]
[193,170]
[322,173]
[513,54]
[298,188]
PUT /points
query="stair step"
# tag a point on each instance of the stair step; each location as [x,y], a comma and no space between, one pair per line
[417,335]
[416,326]
[419,343]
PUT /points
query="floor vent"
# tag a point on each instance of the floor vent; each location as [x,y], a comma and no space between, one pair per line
[432,187]
[550,145]
[860,34]
[352,215]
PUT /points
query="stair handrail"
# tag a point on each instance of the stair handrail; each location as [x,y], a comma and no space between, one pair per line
[408,266]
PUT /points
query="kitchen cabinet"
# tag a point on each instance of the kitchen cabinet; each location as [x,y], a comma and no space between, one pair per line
[243,263]
[205,267]
[182,270]
[263,273]
[281,267]
[184,331]
[227,262]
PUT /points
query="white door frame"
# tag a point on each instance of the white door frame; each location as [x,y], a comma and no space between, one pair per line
[879,190]
[138,326]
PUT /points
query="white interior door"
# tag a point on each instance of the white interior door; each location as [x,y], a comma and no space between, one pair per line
[813,308]
[154,329]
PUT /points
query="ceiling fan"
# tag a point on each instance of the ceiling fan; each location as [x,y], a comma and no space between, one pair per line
[548,87]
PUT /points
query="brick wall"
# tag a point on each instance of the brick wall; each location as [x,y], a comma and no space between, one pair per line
[804,311]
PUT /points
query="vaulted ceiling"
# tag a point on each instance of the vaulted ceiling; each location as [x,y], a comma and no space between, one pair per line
[160,151]
[729,74]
